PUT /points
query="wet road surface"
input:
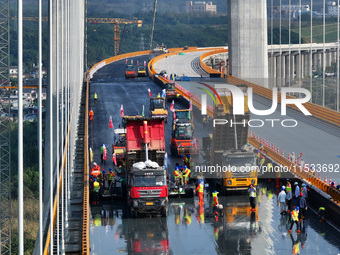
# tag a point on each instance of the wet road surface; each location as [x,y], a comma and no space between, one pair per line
[189,228]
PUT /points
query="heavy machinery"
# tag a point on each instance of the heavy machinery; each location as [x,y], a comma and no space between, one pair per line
[182,140]
[130,71]
[170,90]
[227,142]
[147,190]
[119,146]
[242,172]
[161,49]
[158,108]
[141,71]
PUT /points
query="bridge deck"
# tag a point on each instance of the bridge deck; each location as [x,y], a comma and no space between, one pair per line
[238,231]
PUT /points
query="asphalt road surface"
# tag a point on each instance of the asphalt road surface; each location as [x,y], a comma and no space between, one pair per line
[189,228]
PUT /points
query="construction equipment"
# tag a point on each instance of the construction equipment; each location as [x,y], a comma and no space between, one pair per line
[141,71]
[182,140]
[158,108]
[147,190]
[115,21]
[130,71]
[170,90]
[227,143]
[119,146]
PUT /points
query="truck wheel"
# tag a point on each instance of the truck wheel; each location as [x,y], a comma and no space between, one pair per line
[164,212]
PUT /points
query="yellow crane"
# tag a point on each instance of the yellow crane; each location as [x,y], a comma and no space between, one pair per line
[115,21]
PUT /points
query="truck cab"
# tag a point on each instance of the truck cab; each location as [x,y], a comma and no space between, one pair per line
[242,169]
[146,185]
[147,189]
[158,108]
[183,116]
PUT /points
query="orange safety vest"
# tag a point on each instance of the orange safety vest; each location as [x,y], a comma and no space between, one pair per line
[95,171]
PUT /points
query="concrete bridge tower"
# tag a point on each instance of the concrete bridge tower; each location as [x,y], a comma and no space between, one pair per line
[248,54]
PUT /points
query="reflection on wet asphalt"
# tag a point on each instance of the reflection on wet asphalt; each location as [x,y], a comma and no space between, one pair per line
[192,229]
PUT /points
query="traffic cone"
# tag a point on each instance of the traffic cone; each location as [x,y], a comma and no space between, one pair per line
[110,124]
[319,176]
[283,153]
[326,179]
[289,157]
[330,181]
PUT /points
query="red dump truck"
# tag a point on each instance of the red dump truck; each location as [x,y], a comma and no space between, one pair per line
[146,183]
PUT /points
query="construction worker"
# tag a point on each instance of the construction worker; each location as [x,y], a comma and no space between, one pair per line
[184,158]
[186,175]
[96,189]
[95,171]
[322,214]
[302,206]
[270,166]
[111,175]
[102,153]
[187,161]
[261,147]
[200,189]
[91,114]
[252,196]
[281,200]
[296,194]
[159,94]
[260,158]
[215,204]
[103,180]
[95,97]
[177,176]
[91,182]
[295,219]
[204,119]
[289,196]
[300,159]
[304,190]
